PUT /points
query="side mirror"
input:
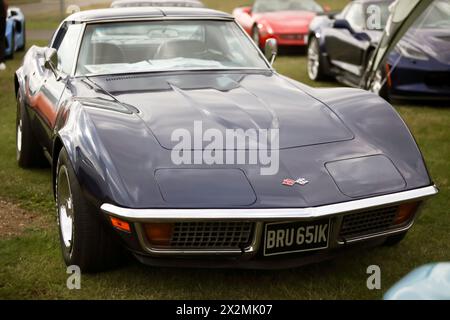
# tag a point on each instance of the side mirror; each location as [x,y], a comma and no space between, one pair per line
[271,50]
[342,24]
[51,62]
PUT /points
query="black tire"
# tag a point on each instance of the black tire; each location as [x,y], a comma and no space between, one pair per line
[86,240]
[28,151]
[315,67]
[394,240]
[256,37]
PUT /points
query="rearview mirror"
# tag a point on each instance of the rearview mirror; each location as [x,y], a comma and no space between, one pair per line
[342,24]
[271,50]
[51,62]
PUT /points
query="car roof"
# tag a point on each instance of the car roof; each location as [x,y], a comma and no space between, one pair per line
[373,1]
[145,13]
[160,3]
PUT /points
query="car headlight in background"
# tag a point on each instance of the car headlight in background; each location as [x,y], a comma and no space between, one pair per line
[265,29]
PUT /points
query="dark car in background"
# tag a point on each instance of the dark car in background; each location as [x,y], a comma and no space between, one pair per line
[419,67]
[341,46]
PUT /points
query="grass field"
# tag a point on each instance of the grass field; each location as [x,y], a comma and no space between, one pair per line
[31,265]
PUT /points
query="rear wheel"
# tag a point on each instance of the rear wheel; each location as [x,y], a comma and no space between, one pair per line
[315,70]
[85,239]
[28,151]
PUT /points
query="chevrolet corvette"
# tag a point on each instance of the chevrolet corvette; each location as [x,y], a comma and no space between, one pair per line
[418,67]
[287,21]
[107,102]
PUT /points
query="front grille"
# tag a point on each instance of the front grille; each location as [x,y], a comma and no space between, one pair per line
[367,222]
[212,235]
[292,36]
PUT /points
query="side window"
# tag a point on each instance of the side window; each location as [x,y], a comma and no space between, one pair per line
[355,16]
[65,42]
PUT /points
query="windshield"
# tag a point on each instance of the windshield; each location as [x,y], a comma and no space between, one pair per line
[129,47]
[286,5]
[437,16]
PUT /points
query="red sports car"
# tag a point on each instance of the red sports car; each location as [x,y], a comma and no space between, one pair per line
[287,21]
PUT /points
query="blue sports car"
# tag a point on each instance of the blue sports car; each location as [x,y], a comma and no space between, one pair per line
[342,45]
[15,32]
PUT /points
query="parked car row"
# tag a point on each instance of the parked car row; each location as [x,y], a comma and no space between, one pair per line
[341,44]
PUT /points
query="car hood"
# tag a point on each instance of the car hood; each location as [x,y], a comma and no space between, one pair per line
[351,144]
[286,21]
[258,101]
[435,43]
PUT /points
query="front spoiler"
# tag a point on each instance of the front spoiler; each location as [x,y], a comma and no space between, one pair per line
[263,214]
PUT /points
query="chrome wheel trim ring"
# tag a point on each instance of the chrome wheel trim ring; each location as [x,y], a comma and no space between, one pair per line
[313,60]
[19,136]
[65,208]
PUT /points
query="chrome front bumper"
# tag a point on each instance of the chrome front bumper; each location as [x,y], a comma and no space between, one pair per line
[260,216]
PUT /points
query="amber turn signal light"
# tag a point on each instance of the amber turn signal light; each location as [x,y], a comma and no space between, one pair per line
[120,224]
[406,212]
[159,234]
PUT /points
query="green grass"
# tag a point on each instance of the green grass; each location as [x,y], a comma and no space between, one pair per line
[17,2]
[32,267]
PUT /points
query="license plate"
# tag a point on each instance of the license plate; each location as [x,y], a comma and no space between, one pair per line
[291,237]
[305,39]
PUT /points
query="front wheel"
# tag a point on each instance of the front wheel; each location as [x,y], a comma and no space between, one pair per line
[85,239]
[315,69]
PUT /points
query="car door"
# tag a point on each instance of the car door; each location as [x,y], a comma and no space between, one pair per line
[346,48]
[46,101]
